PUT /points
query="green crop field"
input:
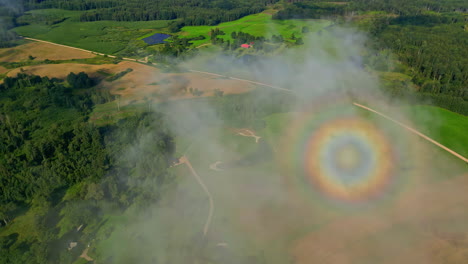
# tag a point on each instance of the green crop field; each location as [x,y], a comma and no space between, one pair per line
[101,36]
[258,25]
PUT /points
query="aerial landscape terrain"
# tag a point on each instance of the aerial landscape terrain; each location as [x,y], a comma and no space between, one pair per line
[233,131]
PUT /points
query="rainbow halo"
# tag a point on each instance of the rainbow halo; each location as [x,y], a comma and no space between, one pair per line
[340,156]
[348,159]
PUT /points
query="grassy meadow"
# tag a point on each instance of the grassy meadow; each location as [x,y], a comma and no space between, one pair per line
[258,25]
[101,36]
[110,37]
[447,127]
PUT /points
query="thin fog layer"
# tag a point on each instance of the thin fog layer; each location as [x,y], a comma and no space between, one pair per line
[261,206]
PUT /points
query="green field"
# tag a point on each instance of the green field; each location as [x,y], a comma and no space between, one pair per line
[257,25]
[447,127]
[110,37]
[101,36]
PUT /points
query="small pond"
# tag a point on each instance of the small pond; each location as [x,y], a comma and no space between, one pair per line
[157,38]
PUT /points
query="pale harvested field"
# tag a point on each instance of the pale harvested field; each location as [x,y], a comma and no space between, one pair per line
[41,51]
[61,70]
[3,70]
[148,82]
[144,82]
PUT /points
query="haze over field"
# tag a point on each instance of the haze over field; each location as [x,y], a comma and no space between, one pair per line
[318,142]
[266,213]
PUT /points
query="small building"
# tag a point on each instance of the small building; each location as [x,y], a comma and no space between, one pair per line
[245,46]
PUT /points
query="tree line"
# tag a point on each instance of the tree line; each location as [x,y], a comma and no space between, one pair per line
[432,45]
[322,9]
[8,21]
[434,48]
[194,12]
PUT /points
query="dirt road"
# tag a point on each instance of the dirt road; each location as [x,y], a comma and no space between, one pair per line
[414,131]
[185,160]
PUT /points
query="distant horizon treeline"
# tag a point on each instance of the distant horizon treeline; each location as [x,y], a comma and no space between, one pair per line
[319,9]
[193,12]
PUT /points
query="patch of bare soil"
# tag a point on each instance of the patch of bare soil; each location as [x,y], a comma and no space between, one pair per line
[85,255]
[144,82]
[62,70]
[247,133]
[3,70]
[148,83]
[41,51]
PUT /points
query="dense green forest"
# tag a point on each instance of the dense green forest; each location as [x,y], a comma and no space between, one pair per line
[434,51]
[7,21]
[320,9]
[194,12]
[51,157]
[429,38]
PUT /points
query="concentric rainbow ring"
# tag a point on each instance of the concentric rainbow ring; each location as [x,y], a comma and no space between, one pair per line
[348,159]
[342,156]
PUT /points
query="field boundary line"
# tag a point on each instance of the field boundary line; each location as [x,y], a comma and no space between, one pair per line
[75,48]
[414,131]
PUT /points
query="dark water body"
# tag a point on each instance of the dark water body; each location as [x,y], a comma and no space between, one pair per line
[157,38]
